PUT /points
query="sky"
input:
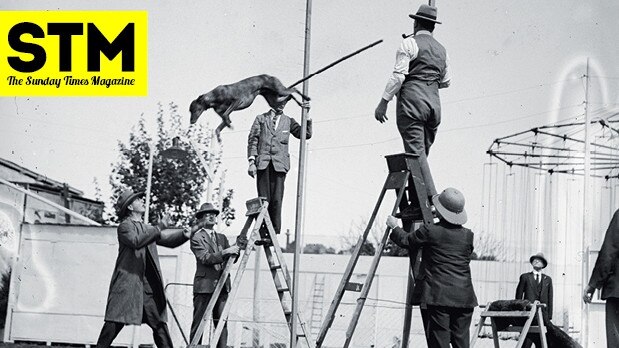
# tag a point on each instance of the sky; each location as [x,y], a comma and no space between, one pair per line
[515,64]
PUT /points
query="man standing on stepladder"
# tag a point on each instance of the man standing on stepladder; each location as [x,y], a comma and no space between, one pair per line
[269,160]
[421,69]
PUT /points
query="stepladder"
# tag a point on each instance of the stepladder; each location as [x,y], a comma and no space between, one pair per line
[406,179]
[257,215]
[521,321]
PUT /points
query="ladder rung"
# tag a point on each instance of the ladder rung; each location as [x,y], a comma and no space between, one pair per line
[282,289]
[275,267]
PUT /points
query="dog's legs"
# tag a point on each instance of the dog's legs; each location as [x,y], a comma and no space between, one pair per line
[218,130]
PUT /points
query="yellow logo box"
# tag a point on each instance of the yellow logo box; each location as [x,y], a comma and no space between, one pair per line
[73,53]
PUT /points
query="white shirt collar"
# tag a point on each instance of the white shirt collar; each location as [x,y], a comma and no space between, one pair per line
[537,272]
[423,32]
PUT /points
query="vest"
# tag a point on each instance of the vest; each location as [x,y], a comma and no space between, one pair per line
[430,62]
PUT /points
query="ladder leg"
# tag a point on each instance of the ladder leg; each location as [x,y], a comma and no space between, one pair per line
[330,317]
[286,276]
[239,274]
[480,326]
[495,333]
[370,277]
[220,284]
[542,328]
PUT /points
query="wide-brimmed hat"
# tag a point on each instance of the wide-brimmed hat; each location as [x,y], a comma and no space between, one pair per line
[126,198]
[539,256]
[450,205]
[206,208]
[425,12]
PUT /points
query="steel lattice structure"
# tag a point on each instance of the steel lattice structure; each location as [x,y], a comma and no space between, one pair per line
[560,147]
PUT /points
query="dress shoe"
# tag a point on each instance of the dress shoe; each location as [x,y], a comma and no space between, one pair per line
[409,213]
[264,241]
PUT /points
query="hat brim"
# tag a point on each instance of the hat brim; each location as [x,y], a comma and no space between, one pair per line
[540,258]
[451,217]
[202,212]
[415,16]
[128,201]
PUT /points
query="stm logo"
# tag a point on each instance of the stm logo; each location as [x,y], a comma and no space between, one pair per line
[80,53]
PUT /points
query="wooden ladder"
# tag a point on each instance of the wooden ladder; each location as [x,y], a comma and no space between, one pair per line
[404,169]
[536,309]
[257,213]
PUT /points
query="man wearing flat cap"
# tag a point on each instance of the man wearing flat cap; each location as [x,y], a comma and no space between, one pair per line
[536,286]
[136,294]
[421,69]
[211,250]
[447,297]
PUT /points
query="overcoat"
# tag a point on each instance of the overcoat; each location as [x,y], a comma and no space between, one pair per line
[604,273]
[137,246]
[445,278]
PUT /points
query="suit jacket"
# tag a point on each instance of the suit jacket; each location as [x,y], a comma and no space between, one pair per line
[209,261]
[445,279]
[604,273]
[136,247]
[529,289]
[266,144]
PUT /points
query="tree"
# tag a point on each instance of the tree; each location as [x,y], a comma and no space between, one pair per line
[177,184]
[487,248]
[317,248]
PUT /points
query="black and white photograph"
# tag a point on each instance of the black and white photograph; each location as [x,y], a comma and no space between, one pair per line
[319,174]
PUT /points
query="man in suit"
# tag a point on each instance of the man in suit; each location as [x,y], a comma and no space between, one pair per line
[136,294]
[421,69]
[533,286]
[211,250]
[446,288]
[605,277]
[269,160]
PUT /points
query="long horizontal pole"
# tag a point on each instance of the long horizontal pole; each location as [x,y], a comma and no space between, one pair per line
[47,201]
[336,62]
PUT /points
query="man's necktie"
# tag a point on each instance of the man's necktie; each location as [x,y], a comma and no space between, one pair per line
[537,278]
[217,249]
[275,121]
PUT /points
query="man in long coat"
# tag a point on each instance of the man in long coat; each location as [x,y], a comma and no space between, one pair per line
[136,294]
[445,284]
[605,276]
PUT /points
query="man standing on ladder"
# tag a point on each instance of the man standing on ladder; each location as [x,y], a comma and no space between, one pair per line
[269,160]
[421,69]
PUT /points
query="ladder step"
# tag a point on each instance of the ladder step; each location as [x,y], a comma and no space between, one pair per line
[284,289]
[275,267]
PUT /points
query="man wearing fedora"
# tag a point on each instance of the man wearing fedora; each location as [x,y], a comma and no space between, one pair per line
[536,286]
[445,285]
[605,276]
[136,294]
[211,250]
[269,160]
[421,69]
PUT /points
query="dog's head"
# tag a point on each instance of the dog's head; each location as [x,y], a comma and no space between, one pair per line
[196,109]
